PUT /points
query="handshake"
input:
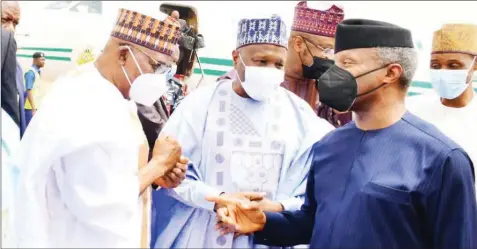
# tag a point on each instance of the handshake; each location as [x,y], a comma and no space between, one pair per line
[168,162]
[242,213]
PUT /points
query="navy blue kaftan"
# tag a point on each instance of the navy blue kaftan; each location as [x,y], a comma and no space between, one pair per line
[405,186]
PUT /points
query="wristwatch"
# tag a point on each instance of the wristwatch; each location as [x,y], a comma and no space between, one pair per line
[215,206]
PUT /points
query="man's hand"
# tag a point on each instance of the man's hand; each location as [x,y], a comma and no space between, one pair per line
[167,153]
[33,112]
[270,206]
[264,204]
[242,215]
[251,196]
[174,177]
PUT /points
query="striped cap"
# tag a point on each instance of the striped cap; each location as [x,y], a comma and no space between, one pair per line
[149,32]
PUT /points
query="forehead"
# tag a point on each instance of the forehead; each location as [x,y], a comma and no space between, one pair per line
[356,55]
[460,57]
[264,50]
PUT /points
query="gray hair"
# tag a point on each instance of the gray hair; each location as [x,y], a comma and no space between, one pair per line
[406,57]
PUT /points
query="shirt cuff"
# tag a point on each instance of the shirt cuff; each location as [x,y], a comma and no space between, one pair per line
[292,204]
[194,193]
[204,192]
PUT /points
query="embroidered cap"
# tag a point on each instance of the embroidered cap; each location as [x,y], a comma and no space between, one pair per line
[455,38]
[317,22]
[159,33]
[262,31]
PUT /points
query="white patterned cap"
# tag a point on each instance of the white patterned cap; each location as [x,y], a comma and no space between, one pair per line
[262,31]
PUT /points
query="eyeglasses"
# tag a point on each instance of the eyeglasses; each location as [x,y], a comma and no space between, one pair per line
[158,67]
[327,52]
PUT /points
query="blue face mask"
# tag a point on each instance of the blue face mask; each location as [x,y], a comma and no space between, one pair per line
[450,84]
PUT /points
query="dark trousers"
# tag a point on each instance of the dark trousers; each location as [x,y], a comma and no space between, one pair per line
[28,117]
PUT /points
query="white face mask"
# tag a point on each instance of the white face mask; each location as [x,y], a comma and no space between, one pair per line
[261,82]
[148,87]
[450,84]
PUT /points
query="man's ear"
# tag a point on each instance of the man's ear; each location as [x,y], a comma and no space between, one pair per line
[393,74]
[298,44]
[123,54]
[235,57]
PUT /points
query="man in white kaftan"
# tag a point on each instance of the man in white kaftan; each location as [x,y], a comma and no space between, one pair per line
[452,106]
[83,160]
[244,136]
[10,143]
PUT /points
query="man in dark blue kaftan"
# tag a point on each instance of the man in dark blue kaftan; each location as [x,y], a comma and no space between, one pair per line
[387,179]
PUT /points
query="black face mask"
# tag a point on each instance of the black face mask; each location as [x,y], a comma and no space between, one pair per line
[319,67]
[338,89]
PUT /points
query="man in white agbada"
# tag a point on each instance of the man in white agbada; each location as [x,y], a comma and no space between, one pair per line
[10,143]
[84,164]
[452,107]
[246,137]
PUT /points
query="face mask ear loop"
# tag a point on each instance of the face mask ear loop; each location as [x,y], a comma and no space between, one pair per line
[236,72]
[470,70]
[473,63]
[126,74]
[135,61]
[309,51]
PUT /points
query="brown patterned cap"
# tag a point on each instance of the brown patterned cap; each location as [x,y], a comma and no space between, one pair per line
[455,38]
[146,31]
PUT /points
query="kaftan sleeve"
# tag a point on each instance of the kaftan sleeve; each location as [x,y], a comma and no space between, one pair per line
[293,203]
[298,181]
[100,187]
[187,128]
[452,211]
[315,129]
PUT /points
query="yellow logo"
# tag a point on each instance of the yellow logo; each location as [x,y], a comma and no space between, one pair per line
[85,57]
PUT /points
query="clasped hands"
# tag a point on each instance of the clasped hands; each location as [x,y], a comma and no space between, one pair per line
[167,153]
[243,212]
